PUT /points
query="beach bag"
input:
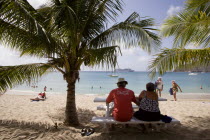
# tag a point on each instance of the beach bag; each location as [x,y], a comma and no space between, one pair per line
[165,118]
[171,91]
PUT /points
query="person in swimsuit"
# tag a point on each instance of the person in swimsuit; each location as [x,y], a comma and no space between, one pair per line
[41,96]
[149,107]
[175,87]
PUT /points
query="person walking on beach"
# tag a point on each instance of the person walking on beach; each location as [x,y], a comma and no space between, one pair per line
[159,85]
[175,87]
[45,88]
[122,99]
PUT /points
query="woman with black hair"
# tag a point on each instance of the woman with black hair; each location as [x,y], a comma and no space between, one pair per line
[149,107]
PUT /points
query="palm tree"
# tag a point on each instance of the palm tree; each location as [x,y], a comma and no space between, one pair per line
[190,27]
[69,33]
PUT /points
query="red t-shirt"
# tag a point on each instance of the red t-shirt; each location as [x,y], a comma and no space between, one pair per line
[122,98]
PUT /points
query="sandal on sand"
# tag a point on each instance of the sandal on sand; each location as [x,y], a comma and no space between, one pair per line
[90,131]
[84,131]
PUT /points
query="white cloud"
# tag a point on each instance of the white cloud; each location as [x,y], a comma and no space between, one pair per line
[10,57]
[134,58]
[127,51]
[37,3]
[132,51]
[173,10]
[143,58]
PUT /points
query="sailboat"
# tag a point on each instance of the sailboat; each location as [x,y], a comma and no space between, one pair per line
[192,73]
[113,74]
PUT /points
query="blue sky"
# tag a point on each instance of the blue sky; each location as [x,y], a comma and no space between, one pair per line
[131,58]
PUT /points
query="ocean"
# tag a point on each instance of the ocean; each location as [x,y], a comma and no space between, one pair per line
[95,82]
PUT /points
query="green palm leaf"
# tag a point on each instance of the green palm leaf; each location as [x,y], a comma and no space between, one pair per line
[22,29]
[198,5]
[129,33]
[102,56]
[188,28]
[171,59]
[16,75]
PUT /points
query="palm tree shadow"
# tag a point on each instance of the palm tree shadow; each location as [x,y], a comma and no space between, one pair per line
[192,130]
[84,116]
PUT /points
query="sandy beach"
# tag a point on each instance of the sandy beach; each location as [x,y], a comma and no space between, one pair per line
[22,119]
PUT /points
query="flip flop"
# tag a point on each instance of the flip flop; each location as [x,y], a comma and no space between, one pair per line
[83,131]
[90,131]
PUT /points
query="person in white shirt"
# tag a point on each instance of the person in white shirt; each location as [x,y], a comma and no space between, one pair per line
[159,85]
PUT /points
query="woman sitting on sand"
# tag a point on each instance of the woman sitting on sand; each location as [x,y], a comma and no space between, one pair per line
[175,87]
[41,96]
[149,108]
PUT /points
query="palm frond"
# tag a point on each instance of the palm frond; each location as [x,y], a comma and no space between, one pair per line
[97,16]
[131,32]
[21,28]
[16,75]
[171,59]
[198,5]
[188,29]
[21,14]
[22,40]
[104,57]
[85,17]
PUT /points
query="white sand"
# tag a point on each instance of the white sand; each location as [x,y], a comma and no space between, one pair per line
[22,119]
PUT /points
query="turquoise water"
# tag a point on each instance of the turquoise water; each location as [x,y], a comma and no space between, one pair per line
[101,83]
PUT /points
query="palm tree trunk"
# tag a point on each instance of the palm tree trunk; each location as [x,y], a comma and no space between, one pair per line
[71,118]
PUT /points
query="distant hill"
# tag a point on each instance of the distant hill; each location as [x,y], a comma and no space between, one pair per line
[196,69]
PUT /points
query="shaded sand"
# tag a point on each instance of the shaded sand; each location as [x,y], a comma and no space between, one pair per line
[22,119]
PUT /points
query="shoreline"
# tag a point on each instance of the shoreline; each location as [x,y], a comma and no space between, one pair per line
[30,92]
[180,96]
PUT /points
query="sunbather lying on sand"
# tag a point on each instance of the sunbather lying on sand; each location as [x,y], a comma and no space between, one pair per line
[41,96]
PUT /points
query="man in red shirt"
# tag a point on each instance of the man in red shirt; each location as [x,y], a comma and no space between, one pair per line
[122,98]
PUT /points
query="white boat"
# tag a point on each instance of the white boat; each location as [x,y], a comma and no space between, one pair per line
[192,73]
[124,70]
[112,75]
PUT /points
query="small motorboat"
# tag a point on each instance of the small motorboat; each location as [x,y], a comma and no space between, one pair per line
[113,75]
[192,73]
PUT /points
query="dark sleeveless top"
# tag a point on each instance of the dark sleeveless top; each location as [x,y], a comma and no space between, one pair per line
[148,110]
[149,104]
